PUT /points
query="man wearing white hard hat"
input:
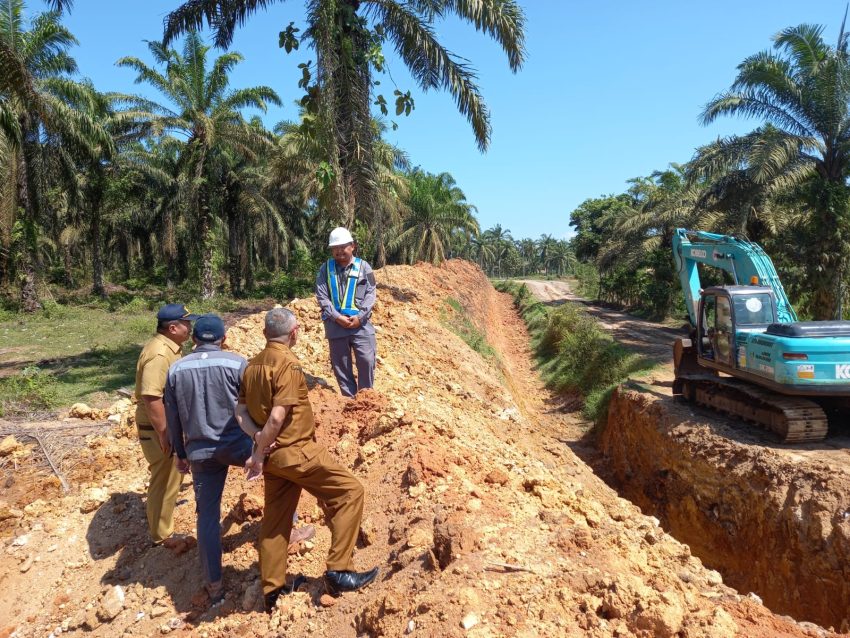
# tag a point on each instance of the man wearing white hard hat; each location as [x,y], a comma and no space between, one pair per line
[346,291]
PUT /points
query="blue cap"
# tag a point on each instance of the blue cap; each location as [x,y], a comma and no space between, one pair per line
[208,328]
[175,312]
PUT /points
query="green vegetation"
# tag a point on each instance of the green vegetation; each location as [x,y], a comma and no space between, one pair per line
[783,185]
[189,190]
[500,255]
[458,321]
[576,357]
[28,392]
[68,353]
[64,354]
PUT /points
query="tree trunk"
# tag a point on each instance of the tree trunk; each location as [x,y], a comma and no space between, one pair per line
[380,248]
[169,249]
[205,227]
[249,259]
[7,223]
[234,235]
[146,250]
[95,239]
[67,262]
[26,245]
[825,246]
[124,253]
[29,295]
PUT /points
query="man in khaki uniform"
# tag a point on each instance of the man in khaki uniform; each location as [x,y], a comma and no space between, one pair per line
[174,323]
[274,393]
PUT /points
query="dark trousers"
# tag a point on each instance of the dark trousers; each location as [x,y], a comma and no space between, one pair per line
[364,347]
[208,476]
[335,487]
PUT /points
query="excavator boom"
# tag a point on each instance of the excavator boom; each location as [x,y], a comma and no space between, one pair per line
[744,260]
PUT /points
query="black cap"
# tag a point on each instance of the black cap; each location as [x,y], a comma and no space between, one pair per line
[175,312]
[208,328]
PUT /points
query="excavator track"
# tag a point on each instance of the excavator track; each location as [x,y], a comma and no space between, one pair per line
[793,419]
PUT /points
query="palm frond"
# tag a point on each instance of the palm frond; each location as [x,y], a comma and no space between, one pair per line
[504,20]
[433,66]
[222,16]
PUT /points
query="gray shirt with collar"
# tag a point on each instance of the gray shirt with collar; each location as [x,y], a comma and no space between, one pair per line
[200,401]
[364,298]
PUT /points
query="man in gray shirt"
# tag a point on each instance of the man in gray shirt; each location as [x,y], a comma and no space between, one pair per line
[346,291]
[200,403]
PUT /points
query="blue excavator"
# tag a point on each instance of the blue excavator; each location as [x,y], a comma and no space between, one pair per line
[748,355]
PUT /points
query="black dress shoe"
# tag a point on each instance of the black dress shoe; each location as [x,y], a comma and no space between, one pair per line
[338,582]
[270,599]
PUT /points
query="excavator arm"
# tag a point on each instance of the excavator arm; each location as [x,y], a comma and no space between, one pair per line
[744,260]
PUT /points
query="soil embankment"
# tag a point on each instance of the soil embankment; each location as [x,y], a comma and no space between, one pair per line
[772,522]
[482,517]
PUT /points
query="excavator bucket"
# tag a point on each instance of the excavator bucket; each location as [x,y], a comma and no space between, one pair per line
[684,362]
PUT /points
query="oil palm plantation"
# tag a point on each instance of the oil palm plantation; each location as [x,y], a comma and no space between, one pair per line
[36,120]
[207,114]
[562,259]
[643,234]
[347,36]
[499,240]
[801,91]
[437,210]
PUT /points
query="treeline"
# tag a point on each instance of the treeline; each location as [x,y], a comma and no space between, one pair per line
[784,185]
[500,255]
[186,190]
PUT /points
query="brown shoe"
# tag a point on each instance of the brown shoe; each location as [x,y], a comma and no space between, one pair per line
[300,535]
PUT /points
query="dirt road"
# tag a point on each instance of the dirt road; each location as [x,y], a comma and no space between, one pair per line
[650,339]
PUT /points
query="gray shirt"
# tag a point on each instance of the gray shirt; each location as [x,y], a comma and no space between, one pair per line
[364,298]
[200,401]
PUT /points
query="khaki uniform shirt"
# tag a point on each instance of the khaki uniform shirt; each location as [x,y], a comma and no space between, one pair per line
[151,371]
[274,377]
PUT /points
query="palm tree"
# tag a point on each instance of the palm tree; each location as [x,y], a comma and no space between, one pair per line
[545,246]
[35,93]
[156,181]
[207,114]
[562,258]
[802,93]
[527,249]
[347,35]
[642,233]
[438,208]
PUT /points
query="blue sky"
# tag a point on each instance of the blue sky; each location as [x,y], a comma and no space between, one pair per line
[610,90]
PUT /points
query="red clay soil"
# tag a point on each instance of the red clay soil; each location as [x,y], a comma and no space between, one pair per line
[482,518]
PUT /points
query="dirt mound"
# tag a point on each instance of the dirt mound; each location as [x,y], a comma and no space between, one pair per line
[483,521]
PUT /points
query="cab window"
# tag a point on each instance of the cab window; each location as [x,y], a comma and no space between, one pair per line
[724,315]
[753,310]
[710,309]
[709,317]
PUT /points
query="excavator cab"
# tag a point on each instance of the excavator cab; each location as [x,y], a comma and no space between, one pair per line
[727,310]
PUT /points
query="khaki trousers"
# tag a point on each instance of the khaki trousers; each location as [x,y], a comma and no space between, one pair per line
[162,489]
[338,491]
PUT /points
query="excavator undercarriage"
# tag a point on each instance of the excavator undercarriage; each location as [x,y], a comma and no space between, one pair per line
[792,419]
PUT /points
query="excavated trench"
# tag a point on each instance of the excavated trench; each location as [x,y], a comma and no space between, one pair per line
[773,520]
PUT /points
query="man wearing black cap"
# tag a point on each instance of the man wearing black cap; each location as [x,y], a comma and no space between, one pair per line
[173,324]
[200,398]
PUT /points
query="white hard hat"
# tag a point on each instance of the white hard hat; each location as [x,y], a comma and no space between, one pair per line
[339,237]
